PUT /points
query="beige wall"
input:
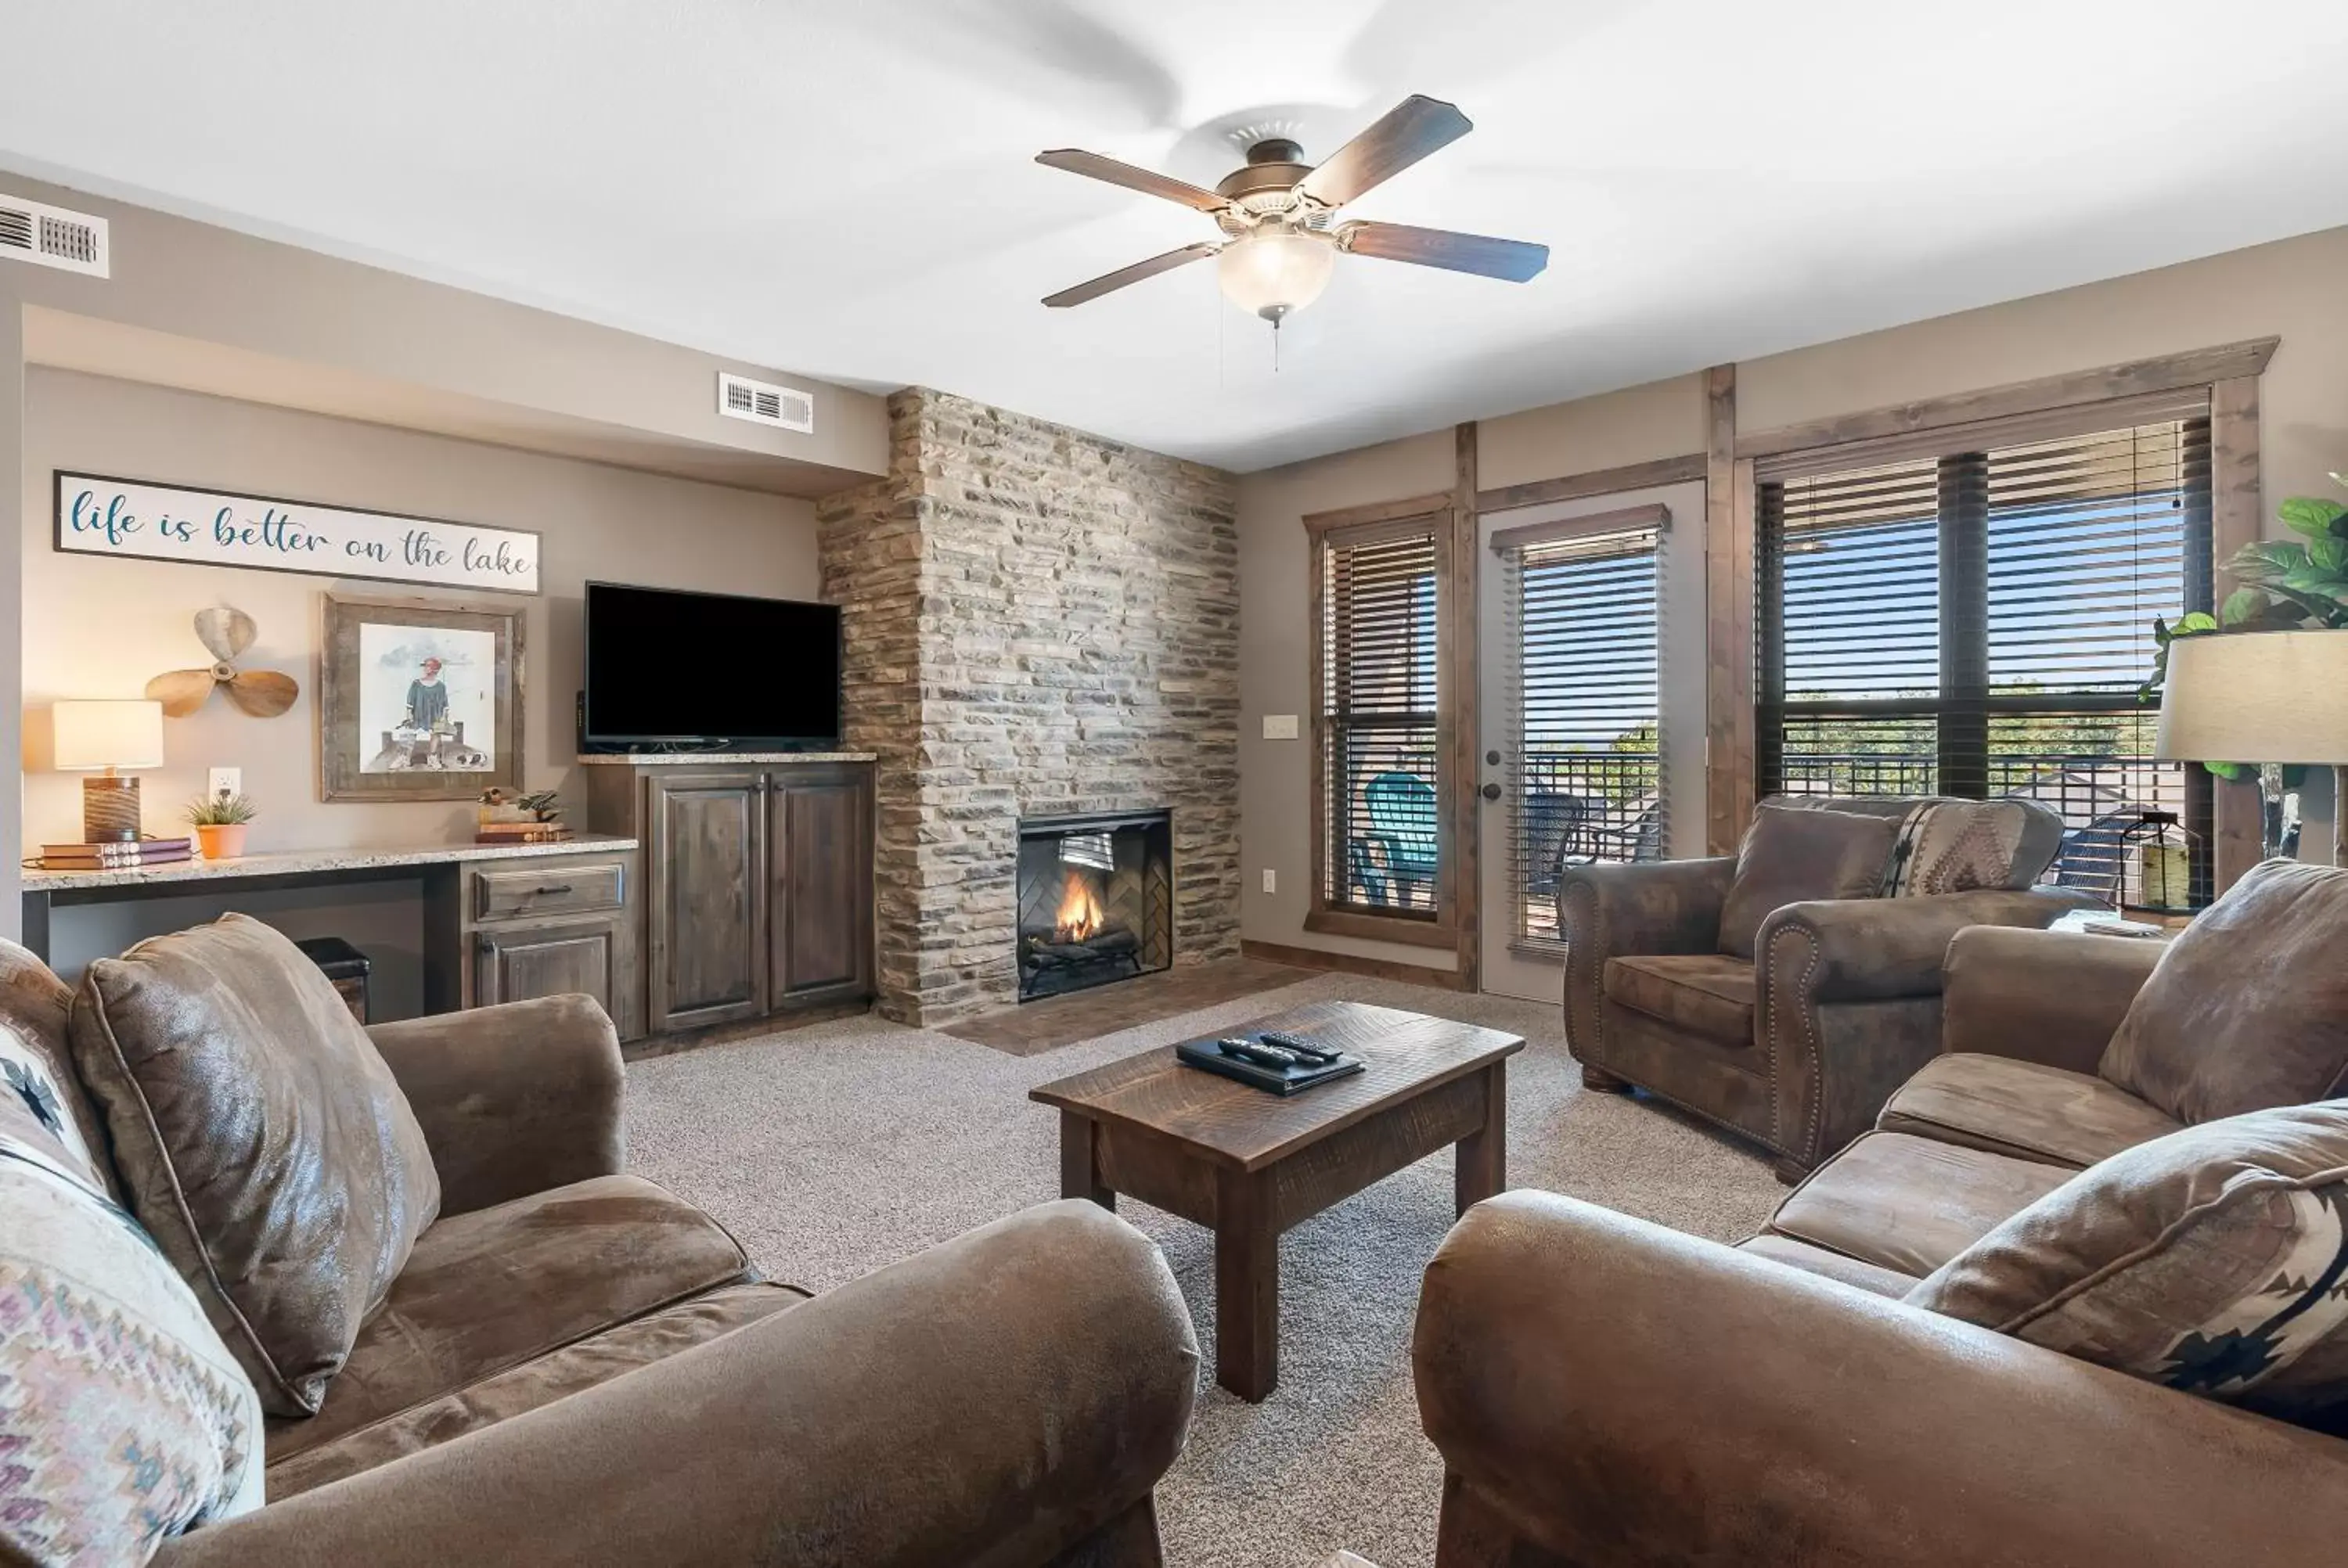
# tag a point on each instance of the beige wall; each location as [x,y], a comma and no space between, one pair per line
[2296,288]
[100,627]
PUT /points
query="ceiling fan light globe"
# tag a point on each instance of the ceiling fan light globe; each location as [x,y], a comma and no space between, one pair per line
[1275,273]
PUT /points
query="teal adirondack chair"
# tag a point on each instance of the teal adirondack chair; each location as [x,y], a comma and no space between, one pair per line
[1402,832]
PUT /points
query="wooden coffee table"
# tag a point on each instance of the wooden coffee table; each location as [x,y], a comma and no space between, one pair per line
[1249,1164]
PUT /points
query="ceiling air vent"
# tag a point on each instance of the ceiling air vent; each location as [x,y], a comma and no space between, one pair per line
[763,402]
[51,237]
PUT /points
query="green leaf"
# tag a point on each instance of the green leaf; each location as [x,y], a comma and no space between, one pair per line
[2192,622]
[2316,580]
[2311,515]
[2329,552]
[2236,772]
[2294,775]
[2243,604]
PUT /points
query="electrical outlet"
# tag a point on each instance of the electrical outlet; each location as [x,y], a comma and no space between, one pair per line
[1271,880]
[224,781]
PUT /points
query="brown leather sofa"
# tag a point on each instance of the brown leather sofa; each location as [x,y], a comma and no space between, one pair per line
[1799,1047]
[577,1367]
[1607,1391]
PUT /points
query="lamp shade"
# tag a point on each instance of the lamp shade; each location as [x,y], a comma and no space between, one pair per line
[2256,697]
[1275,270]
[89,735]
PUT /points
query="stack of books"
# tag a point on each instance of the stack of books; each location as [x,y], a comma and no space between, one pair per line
[115,854]
[520,832]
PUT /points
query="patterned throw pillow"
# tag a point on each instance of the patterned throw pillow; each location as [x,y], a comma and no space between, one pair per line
[27,1077]
[2213,1260]
[1956,846]
[123,1418]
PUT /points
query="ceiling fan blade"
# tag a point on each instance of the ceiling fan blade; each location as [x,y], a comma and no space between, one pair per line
[1108,282]
[263,693]
[225,633]
[1411,130]
[1518,260]
[182,691]
[1093,165]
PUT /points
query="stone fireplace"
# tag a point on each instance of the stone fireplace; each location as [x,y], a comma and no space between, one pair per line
[1096,900]
[1037,624]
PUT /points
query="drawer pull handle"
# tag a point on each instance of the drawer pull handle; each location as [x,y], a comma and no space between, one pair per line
[550,889]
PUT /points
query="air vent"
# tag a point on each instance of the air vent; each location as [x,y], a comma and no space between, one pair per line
[51,237]
[763,402]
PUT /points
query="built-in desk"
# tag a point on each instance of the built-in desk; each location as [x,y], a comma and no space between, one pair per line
[501,922]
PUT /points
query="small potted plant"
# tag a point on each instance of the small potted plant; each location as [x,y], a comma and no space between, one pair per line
[220,822]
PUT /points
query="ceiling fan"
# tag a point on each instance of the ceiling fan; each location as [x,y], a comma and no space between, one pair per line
[1278,245]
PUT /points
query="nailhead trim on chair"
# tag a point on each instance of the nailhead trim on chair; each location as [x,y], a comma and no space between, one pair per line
[1777,1006]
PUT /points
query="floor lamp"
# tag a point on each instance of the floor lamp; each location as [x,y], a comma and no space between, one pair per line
[2265,697]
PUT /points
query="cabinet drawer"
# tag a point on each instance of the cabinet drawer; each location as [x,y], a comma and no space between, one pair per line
[552,886]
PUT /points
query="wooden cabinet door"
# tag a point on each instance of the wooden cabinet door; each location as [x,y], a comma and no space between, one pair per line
[821,830]
[705,882]
[526,962]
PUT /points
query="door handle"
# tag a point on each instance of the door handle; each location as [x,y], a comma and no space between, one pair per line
[1491,792]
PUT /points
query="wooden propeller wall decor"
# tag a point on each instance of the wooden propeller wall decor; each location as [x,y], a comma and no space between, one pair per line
[225,633]
[1275,212]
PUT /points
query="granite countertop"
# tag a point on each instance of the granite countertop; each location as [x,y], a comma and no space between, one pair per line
[293,862]
[678,759]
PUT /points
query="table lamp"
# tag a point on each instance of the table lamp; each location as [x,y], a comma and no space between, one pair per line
[105,738]
[2260,697]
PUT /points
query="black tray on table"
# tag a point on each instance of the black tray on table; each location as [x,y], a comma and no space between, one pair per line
[1207,1056]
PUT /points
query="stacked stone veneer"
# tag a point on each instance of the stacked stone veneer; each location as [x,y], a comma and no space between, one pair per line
[1038,623]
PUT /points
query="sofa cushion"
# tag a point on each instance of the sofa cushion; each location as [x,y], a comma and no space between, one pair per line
[1958,845]
[261,1139]
[2214,1260]
[539,1381]
[1792,854]
[2021,1108]
[1910,1203]
[1870,1277]
[2245,1010]
[1711,994]
[489,1290]
[123,1418]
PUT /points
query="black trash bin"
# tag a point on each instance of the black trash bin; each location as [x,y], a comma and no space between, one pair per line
[345,966]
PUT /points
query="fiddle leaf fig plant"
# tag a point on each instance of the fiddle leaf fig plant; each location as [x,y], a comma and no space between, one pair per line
[2285,584]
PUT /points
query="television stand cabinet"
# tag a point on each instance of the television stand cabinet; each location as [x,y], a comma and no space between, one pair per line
[757,879]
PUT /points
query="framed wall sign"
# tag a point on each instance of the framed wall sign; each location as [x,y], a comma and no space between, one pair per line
[106,516]
[418,701]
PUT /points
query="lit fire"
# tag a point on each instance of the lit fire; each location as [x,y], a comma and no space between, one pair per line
[1079,916]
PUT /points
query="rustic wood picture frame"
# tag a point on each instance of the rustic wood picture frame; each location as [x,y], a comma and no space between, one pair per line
[344,752]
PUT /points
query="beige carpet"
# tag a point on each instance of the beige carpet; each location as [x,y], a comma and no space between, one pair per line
[835,1150]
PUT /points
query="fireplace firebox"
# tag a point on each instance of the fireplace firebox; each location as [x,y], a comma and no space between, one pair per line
[1096,900]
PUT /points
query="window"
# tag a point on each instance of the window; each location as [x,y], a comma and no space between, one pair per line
[1381,786]
[1975,619]
[1583,599]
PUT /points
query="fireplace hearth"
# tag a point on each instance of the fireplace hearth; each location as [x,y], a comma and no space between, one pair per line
[1096,900]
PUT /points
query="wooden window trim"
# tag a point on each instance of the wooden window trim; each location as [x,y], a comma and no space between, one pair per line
[1324,529]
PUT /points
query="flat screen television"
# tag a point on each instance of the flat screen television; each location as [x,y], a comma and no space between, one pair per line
[670,667]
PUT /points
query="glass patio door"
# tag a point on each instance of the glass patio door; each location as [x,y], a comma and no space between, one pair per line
[1585,709]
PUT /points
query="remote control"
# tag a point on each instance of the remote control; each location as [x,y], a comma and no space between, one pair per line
[1270,1056]
[1299,1044]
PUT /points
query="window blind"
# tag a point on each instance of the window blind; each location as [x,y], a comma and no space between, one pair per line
[1976,620]
[1583,628]
[1379,735]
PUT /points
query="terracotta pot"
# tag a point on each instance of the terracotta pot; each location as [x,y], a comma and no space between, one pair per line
[221,840]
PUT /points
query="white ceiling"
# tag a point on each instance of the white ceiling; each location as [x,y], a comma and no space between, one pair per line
[844,187]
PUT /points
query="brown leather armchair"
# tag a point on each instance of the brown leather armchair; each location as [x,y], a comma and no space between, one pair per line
[1798,1047]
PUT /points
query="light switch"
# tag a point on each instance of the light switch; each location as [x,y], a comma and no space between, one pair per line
[1279,726]
[1271,880]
